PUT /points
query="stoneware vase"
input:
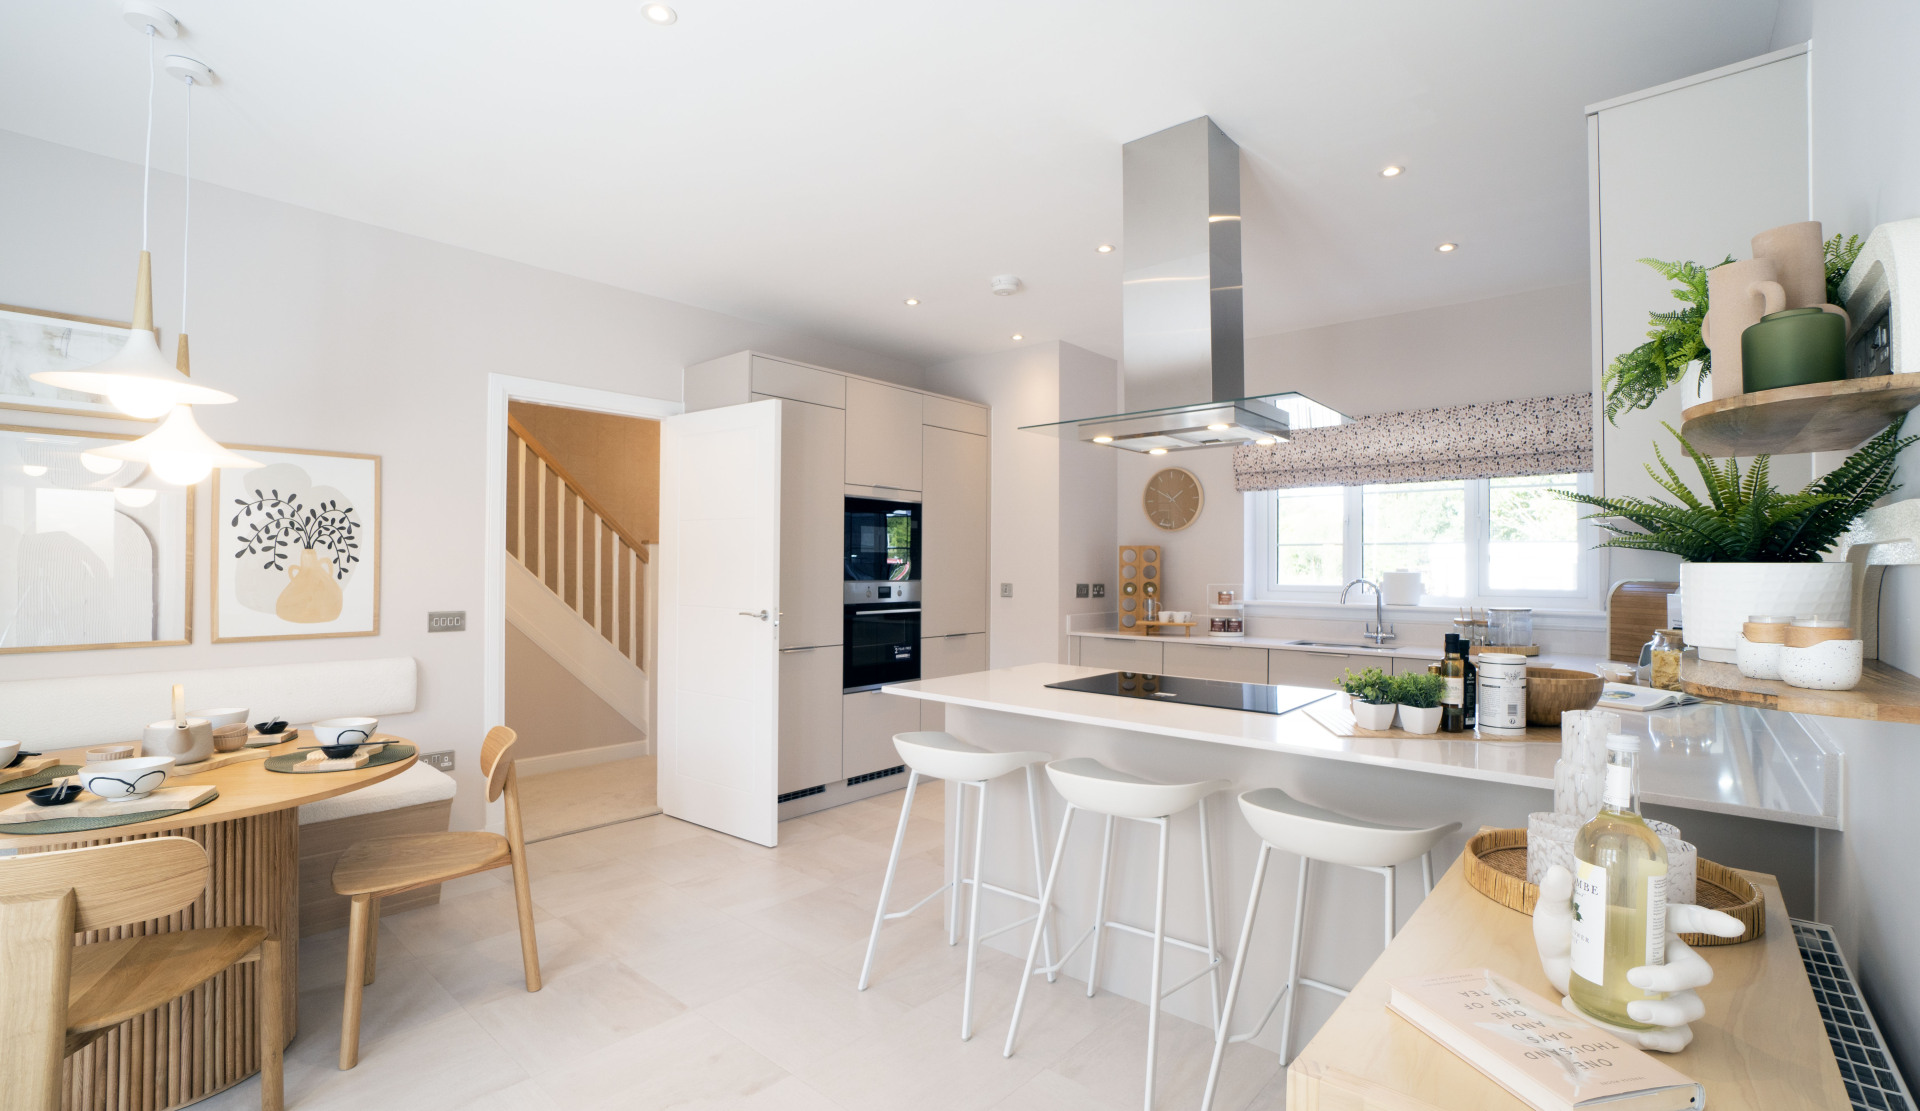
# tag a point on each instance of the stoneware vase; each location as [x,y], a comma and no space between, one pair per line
[1717,598]
[1420,719]
[1799,260]
[311,594]
[1738,295]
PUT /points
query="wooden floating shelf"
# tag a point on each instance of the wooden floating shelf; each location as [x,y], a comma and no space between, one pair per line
[1884,694]
[1823,416]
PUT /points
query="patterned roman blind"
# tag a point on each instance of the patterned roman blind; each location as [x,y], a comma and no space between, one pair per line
[1501,439]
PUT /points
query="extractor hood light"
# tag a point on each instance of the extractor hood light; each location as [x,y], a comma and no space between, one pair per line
[1393,171]
[1447,248]
[1217,219]
[1156,451]
[659,13]
[1218,427]
[1265,441]
[1103,439]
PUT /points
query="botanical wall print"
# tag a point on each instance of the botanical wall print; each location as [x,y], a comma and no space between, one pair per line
[32,341]
[89,559]
[298,546]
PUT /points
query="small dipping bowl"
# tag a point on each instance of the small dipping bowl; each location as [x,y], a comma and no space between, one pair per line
[99,754]
[59,794]
[271,728]
[230,738]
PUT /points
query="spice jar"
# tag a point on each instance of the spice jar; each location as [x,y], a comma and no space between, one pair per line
[1664,667]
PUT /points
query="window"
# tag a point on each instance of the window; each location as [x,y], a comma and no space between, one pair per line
[1474,541]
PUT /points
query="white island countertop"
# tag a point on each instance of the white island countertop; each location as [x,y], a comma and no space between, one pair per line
[1718,758]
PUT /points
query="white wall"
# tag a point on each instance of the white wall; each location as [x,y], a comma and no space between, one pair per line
[344,336]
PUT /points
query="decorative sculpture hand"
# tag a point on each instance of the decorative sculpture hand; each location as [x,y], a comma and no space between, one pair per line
[1684,971]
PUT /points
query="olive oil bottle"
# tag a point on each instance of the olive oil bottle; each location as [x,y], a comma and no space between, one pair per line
[1619,895]
[1453,706]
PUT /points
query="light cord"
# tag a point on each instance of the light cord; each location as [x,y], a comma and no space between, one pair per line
[146,179]
[186,218]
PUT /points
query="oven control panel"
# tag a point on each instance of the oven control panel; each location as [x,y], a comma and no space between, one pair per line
[860,593]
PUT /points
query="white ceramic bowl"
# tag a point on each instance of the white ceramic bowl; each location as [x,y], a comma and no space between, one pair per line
[345,731]
[1831,665]
[8,750]
[226,715]
[126,779]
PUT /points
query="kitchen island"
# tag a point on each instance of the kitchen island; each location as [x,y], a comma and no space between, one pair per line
[1748,786]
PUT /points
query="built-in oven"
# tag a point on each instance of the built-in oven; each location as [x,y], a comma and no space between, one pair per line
[881,627]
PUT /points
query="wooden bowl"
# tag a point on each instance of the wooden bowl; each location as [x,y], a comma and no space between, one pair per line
[1552,691]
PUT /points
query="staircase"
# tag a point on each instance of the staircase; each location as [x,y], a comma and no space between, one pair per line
[578,585]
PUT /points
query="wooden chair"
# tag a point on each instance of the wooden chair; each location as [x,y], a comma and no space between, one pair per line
[56,997]
[372,870]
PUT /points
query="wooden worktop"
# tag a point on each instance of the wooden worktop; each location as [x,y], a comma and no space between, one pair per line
[1761,1046]
[1885,692]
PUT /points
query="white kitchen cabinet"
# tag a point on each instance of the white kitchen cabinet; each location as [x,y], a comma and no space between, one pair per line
[1115,654]
[942,656]
[883,435]
[810,707]
[745,376]
[812,505]
[1317,669]
[869,720]
[961,416]
[1226,662]
[953,534]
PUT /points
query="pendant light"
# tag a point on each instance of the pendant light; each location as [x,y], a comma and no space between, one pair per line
[177,451]
[137,379]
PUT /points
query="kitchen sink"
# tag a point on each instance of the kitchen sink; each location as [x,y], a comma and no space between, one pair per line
[1332,644]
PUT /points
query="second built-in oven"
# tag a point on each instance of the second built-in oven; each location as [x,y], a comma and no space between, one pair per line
[881,627]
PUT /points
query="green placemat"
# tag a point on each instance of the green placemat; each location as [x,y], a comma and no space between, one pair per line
[44,779]
[81,825]
[286,760]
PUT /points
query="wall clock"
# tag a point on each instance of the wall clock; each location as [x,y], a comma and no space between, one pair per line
[1172,500]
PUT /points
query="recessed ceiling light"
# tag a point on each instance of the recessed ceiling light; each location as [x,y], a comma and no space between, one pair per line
[1264,441]
[913,300]
[1393,171]
[1103,439]
[659,13]
[1218,427]
[1447,248]
[1017,335]
[1156,451]
[1105,248]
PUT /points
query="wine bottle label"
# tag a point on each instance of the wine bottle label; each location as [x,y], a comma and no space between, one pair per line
[1618,793]
[1657,919]
[1456,691]
[1590,921]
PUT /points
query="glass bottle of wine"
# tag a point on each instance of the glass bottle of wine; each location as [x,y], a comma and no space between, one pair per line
[1619,895]
[1453,668]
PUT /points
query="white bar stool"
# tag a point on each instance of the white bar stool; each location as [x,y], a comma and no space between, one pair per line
[937,755]
[1089,785]
[1311,833]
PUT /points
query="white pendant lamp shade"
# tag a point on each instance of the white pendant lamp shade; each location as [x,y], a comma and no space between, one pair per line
[177,451]
[138,380]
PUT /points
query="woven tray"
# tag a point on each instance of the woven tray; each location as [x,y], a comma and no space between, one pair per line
[1496,866]
[285,762]
[44,779]
[81,825]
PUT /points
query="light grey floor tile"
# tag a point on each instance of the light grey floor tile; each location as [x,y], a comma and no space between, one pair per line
[492,968]
[686,1062]
[803,1014]
[455,924]
[574,1015]
[1112,1063]
[446,1065]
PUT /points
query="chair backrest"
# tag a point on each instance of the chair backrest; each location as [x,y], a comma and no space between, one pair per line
[495,763]
[130,881]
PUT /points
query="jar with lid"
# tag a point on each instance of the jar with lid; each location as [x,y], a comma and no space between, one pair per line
[1510,626]
[1663,659]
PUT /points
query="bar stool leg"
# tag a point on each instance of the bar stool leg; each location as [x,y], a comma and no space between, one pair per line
[1426,871]
[973,905]
[1389,873]
[959,864]
[1039,867]
[1040,924]
[1213,937]
[886,885]
[1100,908]
[1233,981]
[1159,959]
[1293,965]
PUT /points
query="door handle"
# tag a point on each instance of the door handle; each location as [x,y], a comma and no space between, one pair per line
[762,615]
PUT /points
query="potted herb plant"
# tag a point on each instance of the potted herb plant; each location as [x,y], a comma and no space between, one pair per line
[1749,548]
[1372,695]
[1418,696]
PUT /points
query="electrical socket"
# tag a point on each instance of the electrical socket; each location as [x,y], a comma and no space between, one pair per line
[442,760]
[1099,590]
[1006,590]
[1081,590]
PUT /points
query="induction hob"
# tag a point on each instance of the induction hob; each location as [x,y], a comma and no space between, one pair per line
[1258,698]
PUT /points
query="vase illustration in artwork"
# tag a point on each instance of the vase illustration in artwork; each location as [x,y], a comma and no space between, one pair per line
[311,594]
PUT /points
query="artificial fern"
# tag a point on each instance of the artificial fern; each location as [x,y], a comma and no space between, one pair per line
[1745,519]
[1840,256]
[1634,379]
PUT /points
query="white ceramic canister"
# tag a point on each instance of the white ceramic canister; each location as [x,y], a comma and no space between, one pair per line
[1757,646]
[1502,706]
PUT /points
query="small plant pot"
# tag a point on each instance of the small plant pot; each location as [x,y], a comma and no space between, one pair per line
[1374,715]
[1420,719]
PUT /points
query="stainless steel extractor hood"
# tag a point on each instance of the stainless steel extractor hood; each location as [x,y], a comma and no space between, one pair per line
[1182,329]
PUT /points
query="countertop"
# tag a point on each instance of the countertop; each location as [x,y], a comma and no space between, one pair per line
[1718,758]
[1284,644]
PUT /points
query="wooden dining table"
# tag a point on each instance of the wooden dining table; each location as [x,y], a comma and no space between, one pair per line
[207,1040]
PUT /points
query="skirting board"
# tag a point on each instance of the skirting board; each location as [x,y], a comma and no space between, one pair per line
[581,757]
[839,794]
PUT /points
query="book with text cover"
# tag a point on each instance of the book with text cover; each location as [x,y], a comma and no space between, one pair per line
[1622,696]
[1546,1056]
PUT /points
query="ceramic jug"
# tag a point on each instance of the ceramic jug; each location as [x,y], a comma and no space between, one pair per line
[311,594]
[1738,295]
[1797,250]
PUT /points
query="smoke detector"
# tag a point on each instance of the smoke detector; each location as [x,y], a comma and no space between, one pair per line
[1005,285]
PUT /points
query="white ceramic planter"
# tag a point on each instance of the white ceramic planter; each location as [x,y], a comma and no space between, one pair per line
[1717,598]
[1373,715]
[1420,719]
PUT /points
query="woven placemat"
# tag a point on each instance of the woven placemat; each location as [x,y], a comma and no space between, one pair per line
[285,761]
[81,825]
[44,779]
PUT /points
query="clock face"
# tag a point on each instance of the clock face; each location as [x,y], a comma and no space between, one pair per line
[1172,499]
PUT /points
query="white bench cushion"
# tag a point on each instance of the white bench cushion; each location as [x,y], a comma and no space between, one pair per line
[418,784]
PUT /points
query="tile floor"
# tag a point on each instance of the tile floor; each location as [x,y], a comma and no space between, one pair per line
[685,969]
[577,799]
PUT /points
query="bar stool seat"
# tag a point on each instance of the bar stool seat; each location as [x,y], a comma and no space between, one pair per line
[1313,834]
[944,756]
[1091,785]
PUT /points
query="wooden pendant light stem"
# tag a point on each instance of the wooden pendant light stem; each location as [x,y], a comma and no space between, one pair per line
[143,295]
[180,358]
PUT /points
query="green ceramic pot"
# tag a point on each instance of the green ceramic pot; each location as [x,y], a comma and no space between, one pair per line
[1793,348]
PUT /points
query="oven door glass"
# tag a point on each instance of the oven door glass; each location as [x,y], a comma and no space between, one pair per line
[882,645]
[882,541]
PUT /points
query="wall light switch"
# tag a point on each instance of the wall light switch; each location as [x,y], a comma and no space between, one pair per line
[447,621]
[1006,590]
[1082,590]
[442,760]
[1099,590]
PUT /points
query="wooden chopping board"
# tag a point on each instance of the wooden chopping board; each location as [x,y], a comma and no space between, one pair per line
[221,760]
[93,806]
[32,765]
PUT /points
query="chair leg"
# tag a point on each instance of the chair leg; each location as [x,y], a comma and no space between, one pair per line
[1100,909]
[1213,934]
[1391,875]
[1233,981]
[1159,960]
[1039,924]
[973,907]
[373,936]
[1039,866]
[529,943]
[1293,965]
[357,920]
[273,1035]
[886,885]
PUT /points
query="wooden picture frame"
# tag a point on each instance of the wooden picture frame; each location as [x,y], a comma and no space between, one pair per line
[47,459]
[33,340]
[312,517]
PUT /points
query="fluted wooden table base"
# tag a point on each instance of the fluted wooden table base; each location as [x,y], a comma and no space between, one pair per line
[208,1039]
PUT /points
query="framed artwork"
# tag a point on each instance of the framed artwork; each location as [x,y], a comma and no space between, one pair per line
[89,559]
[32,341]
[296,546]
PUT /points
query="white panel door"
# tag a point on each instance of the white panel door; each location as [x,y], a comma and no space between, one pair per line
[718,624]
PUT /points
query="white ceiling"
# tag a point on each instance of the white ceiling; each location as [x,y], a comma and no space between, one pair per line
[812,164]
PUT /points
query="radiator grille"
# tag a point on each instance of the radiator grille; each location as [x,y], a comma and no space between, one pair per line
[1873,1080]
[871,776]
